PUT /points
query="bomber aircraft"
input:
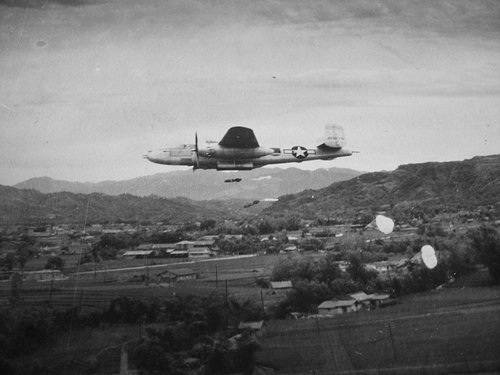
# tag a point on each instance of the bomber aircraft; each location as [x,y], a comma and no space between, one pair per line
[239,150]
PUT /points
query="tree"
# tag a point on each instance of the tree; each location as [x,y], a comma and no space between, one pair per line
[486,242]
[358,271]
[54,263]
[208,224]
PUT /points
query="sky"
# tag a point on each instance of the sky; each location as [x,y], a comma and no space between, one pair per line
[87,86]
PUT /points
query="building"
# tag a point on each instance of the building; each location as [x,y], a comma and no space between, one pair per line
[289,249]
[337,307]
[44,275]
[199,252]
[379,300]
[162,249]
[363,301]
[196,249]
[138,254]
[281,285]
[257,327]
[175,275]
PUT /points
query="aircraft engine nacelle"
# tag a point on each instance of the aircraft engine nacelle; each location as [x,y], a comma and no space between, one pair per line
[234,166]
[242,153]
[334,136]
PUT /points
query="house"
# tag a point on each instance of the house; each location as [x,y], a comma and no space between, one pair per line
[281,285]
[199,252]
[178,254]
[289,249]
[256,327]
[144,246]
[386,269]
[337,307]
[51,250]
[195,249]
[342,265]
[162,249]
[362,299]
[379,300]
[187,245]
[44,275]
[233,236]
[138,254]
[180,274]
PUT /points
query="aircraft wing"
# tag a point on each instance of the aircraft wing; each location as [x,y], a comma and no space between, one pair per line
[239,137]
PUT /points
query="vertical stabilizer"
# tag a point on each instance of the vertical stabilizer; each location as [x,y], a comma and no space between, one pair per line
[334,136]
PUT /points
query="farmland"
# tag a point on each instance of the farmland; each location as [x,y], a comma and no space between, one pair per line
[94,290]
[454,329]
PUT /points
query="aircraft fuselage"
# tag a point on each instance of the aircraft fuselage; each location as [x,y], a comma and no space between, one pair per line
[224,158]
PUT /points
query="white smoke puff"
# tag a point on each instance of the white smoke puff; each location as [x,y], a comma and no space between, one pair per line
[384,224]
[429,256]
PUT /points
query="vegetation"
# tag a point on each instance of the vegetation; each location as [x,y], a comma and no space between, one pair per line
[486,242]
[316,280]
[185,327]
[55,263]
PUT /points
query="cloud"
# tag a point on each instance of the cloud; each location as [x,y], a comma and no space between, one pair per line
[38,4]
[445,16]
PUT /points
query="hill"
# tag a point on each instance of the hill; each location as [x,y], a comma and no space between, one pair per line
[204,185]
[428,186]
[19,206]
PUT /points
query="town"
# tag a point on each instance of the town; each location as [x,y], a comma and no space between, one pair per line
[283,268]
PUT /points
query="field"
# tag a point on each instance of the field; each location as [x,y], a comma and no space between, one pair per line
[453,330]
[94,290]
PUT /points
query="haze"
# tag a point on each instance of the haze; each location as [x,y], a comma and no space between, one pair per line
[87,85]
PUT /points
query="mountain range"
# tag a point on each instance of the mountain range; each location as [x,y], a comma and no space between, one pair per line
[409,191]
[412,188]
[203,184]
[22,206]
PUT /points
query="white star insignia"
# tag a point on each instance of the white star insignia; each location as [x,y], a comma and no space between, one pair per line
[299,152]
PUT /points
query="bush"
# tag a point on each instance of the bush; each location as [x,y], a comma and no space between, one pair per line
[486,242]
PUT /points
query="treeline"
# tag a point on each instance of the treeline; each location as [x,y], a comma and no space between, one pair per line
[185,327]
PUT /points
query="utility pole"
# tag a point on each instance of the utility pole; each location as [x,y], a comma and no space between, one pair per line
[226,293]
[392,341]
[51,284]
[216,277]
[147,271]
[262,302]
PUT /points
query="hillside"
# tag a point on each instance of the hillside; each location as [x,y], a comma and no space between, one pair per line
[29,206]
[204,185]
[449,185]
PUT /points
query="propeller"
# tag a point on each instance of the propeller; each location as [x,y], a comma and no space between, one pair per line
[197,161]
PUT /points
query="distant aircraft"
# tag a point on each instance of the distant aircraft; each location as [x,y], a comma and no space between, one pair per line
[239,150]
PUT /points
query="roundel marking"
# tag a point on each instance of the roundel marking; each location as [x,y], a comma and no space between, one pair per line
[299,152]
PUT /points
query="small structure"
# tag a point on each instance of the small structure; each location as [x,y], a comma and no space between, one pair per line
[256,327]
[379,300]
[289,249]
[138,254]
[44,275]
[179,254]
[162,249]
[199,252]
[281,285]
[180,274]
[362,299]
[337,307]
